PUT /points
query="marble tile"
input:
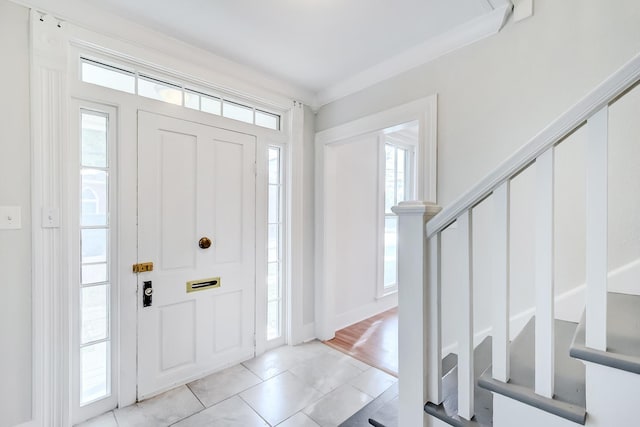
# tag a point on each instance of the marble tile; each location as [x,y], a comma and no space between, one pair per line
[162,410]
[277,361]
[299,420]
[233,412]
[104,420]
[337,406]
[355,362]
[373,382]
[224,384]
[280,397]
[326,372]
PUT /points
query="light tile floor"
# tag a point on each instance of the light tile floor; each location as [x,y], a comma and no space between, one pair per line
[308,385]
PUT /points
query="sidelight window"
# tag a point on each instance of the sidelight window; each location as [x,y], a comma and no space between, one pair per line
[95,260]
[275,252]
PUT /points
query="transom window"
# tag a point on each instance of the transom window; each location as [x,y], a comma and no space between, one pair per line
[119,78]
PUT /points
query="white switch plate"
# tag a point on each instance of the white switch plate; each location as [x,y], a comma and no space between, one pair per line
[50,217]
[10,217]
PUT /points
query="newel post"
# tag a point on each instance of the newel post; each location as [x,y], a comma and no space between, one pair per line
[413,310]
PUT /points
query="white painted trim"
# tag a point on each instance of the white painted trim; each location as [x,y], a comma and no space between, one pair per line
[422,110]
[295,223]
[215,68]
[597,227]
[309,332]
[613,86]
[463,35]
[48,90]
[31,423]
[364,312]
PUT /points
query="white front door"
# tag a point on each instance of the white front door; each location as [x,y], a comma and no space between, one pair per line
[194,181]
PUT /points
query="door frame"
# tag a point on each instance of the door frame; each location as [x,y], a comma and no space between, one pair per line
[423,111]
[54,83]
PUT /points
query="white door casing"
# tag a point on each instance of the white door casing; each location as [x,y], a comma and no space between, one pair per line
[194,181]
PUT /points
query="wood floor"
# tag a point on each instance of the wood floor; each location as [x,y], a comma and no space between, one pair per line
[373,341]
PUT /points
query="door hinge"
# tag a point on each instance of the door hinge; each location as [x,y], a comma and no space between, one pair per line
[142,267]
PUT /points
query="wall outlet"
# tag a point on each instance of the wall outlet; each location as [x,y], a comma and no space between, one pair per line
[10,217]
[50,217]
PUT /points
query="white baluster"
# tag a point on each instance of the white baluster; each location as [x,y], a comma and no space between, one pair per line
[500,352]
[544,337]
[465,331]
[414,325]
[434,346]
[597,170]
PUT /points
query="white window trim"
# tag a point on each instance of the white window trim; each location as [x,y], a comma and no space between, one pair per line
[383,291]
[424,111]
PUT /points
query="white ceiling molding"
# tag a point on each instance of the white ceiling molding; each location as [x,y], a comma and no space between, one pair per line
[470,32]
[225,72]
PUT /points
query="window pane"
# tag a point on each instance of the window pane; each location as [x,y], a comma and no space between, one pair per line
[267,120]
[390,250]
[402,154]
[274,166]
[94,370]
[389,178]
[273,282]
[192,100]
[108,77]
[238,112]
[157,90]
[274,241]
[94,273]
[94,245]
[94,140]
[211,105]
[274,203]
[94,301]
[94,198]
[273,320]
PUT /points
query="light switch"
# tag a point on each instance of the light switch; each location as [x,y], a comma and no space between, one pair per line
[10,217]
[50,218]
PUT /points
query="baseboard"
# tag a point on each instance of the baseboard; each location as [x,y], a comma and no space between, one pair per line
[31,423]
[364,312]
[569,306]
[309,332]
[624,279]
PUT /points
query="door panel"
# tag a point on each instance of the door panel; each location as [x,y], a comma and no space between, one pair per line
[194,181]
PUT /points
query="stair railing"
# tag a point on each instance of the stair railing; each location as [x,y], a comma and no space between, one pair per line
[419,261]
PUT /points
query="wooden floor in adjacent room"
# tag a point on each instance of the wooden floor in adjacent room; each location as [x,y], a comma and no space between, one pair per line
[373,341]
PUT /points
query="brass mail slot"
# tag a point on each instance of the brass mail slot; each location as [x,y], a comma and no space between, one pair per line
[203,284]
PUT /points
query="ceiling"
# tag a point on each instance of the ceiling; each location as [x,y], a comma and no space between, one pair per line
[313,44]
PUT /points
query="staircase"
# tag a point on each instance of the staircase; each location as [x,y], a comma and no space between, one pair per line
[552,372]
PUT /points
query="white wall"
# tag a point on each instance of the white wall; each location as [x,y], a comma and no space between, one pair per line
[15,245]
[352,229]
[309,221]
[493,96]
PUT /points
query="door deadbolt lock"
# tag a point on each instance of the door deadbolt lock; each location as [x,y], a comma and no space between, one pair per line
[204,243]
[147,293]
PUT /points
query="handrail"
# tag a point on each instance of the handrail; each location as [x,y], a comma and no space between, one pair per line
[608,90]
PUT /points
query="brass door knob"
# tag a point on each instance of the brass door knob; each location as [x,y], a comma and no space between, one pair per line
[204,243]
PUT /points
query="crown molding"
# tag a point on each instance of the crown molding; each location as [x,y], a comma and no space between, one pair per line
[463,35]
[225,72]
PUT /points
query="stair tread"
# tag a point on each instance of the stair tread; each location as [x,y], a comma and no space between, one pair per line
[623,335]
[447,411]
[569,399]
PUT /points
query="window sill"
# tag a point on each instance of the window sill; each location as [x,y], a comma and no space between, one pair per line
[387,294]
